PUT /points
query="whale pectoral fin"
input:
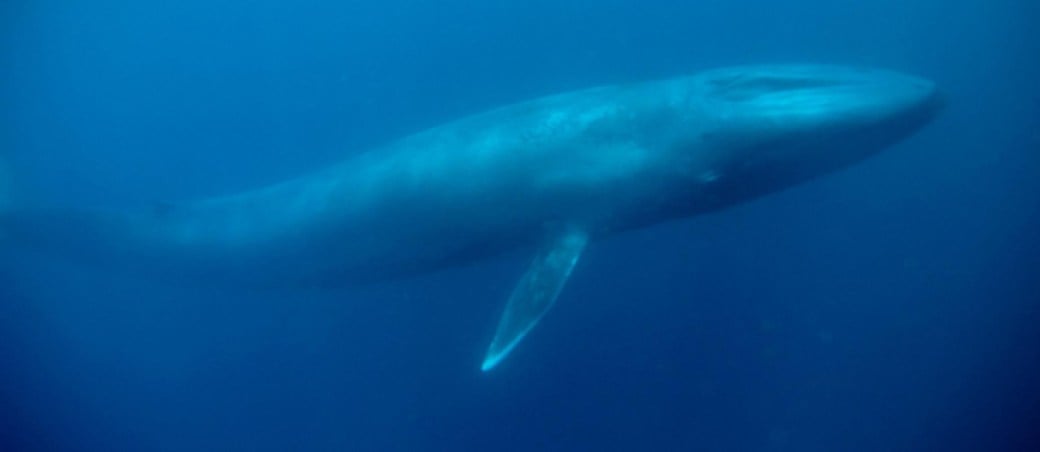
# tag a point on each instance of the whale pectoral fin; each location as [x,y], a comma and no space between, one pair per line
[535,293]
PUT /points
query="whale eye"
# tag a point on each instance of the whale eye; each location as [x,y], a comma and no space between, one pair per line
[742,86]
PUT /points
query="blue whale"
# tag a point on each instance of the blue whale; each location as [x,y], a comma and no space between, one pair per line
[547,175]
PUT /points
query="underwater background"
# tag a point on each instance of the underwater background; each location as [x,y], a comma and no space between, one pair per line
[891,306]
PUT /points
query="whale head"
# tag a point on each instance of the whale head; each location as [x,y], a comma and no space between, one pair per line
[772,126]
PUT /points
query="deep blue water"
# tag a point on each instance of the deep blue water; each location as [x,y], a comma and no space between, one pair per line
[891,306]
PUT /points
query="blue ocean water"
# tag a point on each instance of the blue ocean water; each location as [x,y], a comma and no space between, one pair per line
[890,306]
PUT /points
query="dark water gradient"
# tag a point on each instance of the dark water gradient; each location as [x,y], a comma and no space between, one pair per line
[893,306]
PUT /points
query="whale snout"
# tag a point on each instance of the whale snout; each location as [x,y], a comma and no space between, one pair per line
[819,97]
[898,96]
[777,125]
[819,104]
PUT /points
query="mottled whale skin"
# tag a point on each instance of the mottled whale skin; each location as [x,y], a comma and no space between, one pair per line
[582,164]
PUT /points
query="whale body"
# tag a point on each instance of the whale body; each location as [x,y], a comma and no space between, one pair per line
[547,175]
